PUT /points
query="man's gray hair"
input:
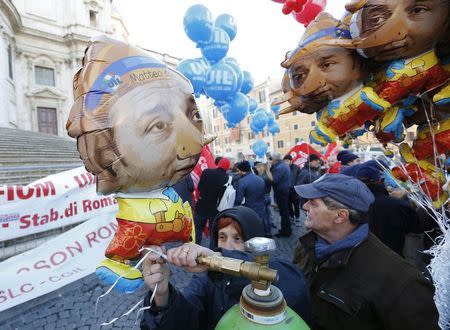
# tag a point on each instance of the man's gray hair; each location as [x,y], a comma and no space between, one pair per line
[355,217]
[276,156]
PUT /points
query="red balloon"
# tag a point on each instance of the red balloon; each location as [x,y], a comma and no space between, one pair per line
[279,1]
[286,10]
[293,6]
[311,9]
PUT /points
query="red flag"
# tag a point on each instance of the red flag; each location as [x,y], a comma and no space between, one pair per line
[206,160]
[300,153]
[332,150]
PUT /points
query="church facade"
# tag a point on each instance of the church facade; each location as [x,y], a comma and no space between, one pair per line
[41,47]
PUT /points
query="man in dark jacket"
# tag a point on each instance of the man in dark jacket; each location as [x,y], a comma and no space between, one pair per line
[202,303]
[294,206]
[281,185]
[356,282]
[251,188]
[211,188]
[309,173]
[390,219]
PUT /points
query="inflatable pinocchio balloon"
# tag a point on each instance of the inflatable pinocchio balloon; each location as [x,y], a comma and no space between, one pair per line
[402,37]
[409,40]
[138,131]
[325,71]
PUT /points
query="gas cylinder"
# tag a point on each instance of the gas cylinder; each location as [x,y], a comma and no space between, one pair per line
[262,305]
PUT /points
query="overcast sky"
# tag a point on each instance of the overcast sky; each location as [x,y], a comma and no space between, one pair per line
[264,34]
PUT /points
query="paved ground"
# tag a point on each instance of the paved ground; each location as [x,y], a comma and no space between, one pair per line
[73,307]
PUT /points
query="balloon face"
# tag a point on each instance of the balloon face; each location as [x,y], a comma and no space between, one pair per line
[228,24]
[388,30]
[220,82]
[165,123]
[128,107]
[325,74]
[195,71]
[259,148]
[217,47]
[198,24]
[247,82]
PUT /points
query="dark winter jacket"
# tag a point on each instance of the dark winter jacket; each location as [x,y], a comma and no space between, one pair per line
[211,187]
[267,184]
[281,178]
[306,175]
[295,170]
[366,287]
[202,303]
[252,188]
[390,219]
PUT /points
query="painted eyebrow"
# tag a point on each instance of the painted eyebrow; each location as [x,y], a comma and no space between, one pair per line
[156,110]
[327,57]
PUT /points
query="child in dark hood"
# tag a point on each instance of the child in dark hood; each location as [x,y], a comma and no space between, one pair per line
[202,303]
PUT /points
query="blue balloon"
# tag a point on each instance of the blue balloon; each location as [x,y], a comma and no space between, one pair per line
[274,128]
[259,120]
[270,118]
[195,71]
[234,64]
[204,62]
[220,82]
[217,47]
[228,24]
[275,109]
[254,129]
[247,82]
[259,148]
[252,105]
[198,24]
[236,110]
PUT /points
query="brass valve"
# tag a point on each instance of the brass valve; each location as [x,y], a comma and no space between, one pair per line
[259,272]
[237,267]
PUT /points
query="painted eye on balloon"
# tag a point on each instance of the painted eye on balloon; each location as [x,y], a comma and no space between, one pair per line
[156,127]
[326,65]
[417,10]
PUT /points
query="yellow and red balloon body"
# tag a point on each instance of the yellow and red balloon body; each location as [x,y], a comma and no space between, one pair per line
[402,34]
[422,173]
[426,179]
[424,147]
[138,131]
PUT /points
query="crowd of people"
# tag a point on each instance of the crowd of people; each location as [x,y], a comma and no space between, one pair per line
[348,270]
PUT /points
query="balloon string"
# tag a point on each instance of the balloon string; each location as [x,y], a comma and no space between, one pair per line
[152,297]
[125,314]
[118,279]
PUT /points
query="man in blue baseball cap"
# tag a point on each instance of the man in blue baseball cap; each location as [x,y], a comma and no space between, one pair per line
[356,282]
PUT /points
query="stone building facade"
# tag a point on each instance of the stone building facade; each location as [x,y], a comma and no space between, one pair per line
[41,47]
